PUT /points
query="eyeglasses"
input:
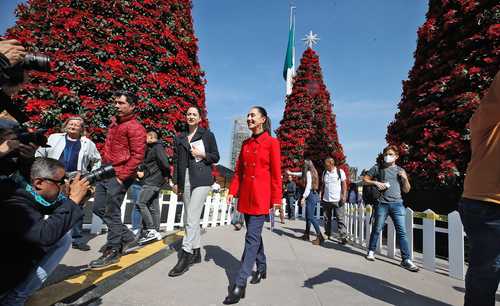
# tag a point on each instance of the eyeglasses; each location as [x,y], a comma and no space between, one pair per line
[62,181]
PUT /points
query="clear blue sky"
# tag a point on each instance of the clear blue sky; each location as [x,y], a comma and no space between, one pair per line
[366,50]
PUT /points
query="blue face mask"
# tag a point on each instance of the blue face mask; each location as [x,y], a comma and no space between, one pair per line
[40,200]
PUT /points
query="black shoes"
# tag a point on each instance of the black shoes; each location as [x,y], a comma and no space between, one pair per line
[81,246]
[182,265]
[108,258]
[235,294]
[257,276]
[343,241]
[196,258]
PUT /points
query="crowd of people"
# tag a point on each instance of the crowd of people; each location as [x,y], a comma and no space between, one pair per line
[45,186]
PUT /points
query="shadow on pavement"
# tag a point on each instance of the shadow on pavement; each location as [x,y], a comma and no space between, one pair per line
[373,287]
[223,259]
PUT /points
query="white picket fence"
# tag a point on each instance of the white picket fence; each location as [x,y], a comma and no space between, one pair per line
[357,220]
[216,213]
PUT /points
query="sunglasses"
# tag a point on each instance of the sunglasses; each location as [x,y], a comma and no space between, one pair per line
[62,181]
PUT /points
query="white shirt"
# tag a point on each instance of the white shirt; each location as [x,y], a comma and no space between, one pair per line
[333,185]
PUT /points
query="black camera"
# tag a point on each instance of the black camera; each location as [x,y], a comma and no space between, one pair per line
[38,62]
[100,174]
[38,138]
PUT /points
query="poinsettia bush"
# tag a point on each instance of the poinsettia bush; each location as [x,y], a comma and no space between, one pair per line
[457,56]
[98,46]
[308,128]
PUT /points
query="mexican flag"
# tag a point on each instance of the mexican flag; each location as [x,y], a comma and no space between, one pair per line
[289,67]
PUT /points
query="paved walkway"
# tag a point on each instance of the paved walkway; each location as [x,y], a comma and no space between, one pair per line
[298,274]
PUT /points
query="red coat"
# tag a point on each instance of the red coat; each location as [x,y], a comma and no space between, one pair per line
[125,146]
[257,178]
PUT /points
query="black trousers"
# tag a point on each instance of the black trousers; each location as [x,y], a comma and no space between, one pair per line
[290,206]
[108,199]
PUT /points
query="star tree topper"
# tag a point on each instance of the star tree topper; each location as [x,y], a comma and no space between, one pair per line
[311,39]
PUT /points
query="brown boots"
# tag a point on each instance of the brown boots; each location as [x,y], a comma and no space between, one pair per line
[319,240]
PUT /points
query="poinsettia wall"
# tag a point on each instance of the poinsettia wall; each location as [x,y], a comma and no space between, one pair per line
[458,54]
[98,46]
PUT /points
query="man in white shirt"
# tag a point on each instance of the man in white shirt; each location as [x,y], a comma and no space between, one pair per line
[333,196]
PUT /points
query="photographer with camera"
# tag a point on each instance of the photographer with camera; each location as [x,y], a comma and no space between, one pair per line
[77,153]
[17,153]
[14,65]
[35,224]
[11,54]
[124,149]
[154,173]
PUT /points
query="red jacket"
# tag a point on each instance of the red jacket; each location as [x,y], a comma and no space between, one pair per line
[257,178]
[125,146]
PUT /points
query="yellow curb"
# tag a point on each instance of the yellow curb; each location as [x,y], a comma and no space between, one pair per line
[64,289]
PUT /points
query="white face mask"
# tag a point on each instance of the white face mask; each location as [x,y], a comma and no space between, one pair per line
[389,158]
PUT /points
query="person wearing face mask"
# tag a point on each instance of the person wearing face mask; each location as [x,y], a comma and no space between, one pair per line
[77,153]
[196,152]
[35,224]
[391,180]
[257,184]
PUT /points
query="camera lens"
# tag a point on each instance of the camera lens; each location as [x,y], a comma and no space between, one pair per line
[38,62]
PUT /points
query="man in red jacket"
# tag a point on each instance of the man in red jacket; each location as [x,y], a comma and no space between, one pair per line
[124,149]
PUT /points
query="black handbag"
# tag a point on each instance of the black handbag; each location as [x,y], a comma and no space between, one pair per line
[371,194]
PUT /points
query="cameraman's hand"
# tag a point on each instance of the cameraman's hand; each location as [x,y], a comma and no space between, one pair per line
[8,146]
[13,50]
[78,189]
[27,151]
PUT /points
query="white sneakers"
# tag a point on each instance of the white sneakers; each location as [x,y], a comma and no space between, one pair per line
[409,265]
[150,235]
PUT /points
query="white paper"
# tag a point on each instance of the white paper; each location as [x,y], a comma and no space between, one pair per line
[198,144]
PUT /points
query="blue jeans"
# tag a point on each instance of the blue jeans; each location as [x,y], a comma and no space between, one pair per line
[481,222]
[135,191]
[398,214]
[254,249]
[19,295]
[311,203]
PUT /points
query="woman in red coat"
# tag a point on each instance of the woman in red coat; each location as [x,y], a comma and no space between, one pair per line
[257,184]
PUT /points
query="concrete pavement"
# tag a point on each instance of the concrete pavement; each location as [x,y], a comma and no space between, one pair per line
[299,273]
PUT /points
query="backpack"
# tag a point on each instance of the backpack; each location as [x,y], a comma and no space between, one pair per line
[371,194]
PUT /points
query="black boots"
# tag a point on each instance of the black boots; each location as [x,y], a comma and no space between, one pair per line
[182,265]
[305,236]
[257,276]
[235,294]
[196,258]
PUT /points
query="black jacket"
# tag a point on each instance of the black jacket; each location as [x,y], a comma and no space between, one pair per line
[27,236]
[200,173]
[155,166]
